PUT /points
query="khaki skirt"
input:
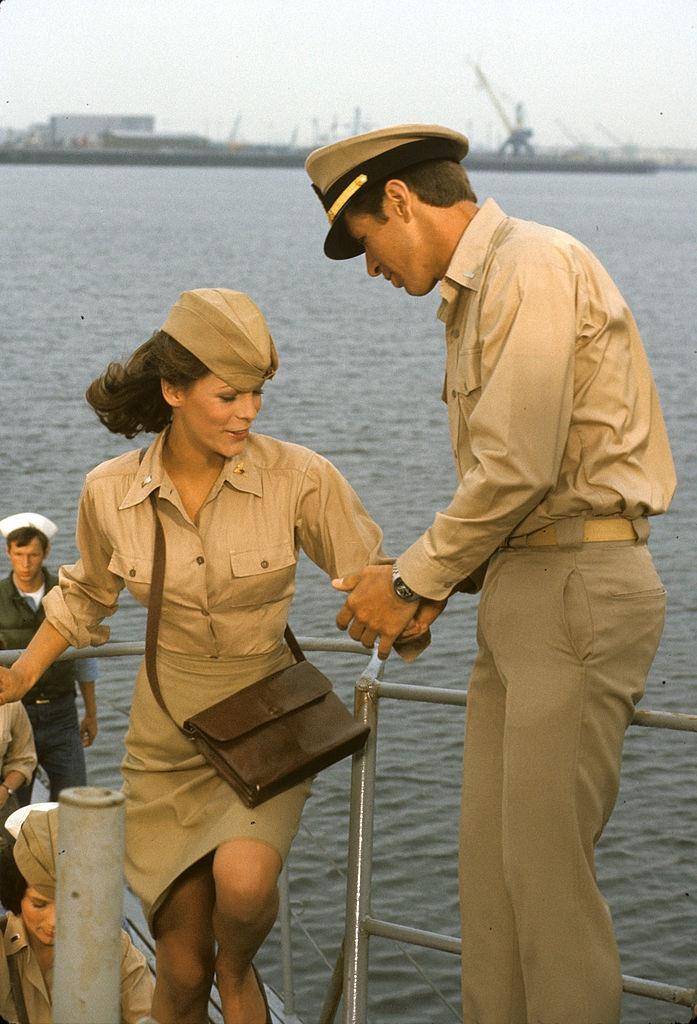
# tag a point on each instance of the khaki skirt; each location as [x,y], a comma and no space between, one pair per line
[177,808]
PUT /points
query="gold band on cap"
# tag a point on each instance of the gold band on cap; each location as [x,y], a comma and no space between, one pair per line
[350,190]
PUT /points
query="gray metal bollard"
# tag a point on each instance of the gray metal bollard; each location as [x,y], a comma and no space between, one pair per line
[89,902]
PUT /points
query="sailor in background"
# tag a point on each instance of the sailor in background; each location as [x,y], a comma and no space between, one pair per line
[58,734]
[561,454]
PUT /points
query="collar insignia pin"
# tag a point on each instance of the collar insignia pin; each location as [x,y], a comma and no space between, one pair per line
[147,480]
[239,468]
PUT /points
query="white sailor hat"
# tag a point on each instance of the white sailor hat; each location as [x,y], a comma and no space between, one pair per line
[20,519]
[14,821]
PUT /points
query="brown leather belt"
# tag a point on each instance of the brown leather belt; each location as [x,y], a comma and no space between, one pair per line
[593,530]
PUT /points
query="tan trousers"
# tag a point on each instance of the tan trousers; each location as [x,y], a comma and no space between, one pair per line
[566,639]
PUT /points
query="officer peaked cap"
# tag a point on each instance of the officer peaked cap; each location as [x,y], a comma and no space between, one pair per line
[340,170]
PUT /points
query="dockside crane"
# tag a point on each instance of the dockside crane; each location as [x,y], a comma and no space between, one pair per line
[623,145]
[234,132]
[518,141]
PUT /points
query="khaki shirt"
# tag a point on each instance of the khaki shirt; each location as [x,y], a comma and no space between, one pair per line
[552,408]
[17,751]
[230,577]
[136,980]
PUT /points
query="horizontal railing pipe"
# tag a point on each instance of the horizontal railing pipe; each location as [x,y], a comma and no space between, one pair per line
[120,649]
[659,990]
[414,936]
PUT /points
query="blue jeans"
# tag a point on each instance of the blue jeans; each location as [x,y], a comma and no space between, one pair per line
[58,746]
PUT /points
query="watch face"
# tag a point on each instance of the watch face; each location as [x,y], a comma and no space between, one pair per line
[402,590]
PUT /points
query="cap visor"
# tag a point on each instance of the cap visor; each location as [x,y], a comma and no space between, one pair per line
[339,244]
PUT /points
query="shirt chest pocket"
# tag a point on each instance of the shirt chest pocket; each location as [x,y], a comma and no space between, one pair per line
[464,386]
[468,372]
[262,574]
[135,572]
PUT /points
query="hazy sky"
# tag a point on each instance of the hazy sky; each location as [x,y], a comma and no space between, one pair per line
[198,65]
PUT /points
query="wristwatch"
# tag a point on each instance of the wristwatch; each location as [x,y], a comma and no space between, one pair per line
[401,589]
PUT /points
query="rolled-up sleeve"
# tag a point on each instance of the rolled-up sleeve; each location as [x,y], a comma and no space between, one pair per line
[332,526]
[20,754]
[87,591]
[517,430]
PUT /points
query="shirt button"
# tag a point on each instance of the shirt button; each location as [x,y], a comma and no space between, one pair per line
[453,393]
[200,559]
[264,564]
[131,572]
[205,613]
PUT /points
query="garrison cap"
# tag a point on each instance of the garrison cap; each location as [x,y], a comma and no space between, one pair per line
[227,332]
[338,171]
[36,848]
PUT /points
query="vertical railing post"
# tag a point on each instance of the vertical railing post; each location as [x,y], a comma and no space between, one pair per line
[360,850]
[89,902]
[286,944]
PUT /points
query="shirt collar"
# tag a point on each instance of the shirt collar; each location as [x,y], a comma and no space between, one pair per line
[15,934]
[148,471]
[241,472]
[467,262]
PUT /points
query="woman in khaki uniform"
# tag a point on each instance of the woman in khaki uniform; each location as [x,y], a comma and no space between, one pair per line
[27,950]
[236,507]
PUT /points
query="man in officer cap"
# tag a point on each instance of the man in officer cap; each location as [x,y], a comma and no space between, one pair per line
[50,704]
[561,454]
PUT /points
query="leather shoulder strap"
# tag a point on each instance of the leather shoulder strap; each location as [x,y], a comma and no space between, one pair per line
[155,607]
[15,980]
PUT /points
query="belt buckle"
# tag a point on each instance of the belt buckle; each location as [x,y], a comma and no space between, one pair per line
[42,700]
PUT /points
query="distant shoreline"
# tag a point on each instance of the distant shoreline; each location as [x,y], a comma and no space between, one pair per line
[296,158]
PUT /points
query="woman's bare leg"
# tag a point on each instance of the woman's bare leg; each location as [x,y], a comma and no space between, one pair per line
[185,950]
[245,873]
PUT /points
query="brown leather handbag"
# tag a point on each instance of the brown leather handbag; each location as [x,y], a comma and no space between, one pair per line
[272,734]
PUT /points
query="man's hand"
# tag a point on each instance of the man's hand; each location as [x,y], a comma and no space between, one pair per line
[372,608]
[88,730]
[12,685]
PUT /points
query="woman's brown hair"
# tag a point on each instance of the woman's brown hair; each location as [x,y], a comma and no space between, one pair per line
[127,397]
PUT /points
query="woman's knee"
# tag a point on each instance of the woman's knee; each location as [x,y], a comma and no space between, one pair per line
[246,876]
[186,967]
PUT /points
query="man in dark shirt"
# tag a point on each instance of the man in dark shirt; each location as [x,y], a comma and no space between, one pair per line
[50,704]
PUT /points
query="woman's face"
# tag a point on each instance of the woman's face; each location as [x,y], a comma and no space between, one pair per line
[39,916]
[211,416]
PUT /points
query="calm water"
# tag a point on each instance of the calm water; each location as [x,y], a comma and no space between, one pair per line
[92,258]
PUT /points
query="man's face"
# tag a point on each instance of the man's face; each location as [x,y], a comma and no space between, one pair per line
[26,561]
[396,248]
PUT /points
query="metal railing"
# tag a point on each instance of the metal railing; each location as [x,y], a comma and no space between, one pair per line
[352,962]
[127,649]
[351,972]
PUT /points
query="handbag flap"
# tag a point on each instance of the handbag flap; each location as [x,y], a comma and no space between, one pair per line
[269,699]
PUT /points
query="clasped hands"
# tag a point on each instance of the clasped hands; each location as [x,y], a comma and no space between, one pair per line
[372,609]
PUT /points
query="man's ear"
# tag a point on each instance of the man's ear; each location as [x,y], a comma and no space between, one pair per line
[398,199]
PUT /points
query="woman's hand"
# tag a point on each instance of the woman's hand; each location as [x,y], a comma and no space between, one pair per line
[426,614]
[13,686]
